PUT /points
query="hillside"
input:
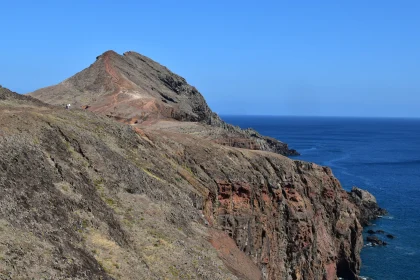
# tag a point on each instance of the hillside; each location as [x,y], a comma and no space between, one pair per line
[136,90]
[85,197]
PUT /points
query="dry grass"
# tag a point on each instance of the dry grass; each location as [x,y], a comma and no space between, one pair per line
[67,189]
[106,252]
[152,175]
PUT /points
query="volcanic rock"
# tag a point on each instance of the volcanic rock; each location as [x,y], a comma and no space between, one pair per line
[83,196]
[366,202]
[180,194]
[375,241]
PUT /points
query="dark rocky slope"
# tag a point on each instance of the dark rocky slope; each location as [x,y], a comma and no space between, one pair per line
[137,90]
[85,197]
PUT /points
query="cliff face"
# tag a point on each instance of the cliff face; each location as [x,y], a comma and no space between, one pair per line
[292,218]
[86,197]
[137,90]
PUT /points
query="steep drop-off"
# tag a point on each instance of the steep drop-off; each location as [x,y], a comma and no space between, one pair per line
[85,197]
[137,90]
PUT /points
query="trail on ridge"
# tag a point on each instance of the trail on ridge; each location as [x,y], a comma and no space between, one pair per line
[114,78]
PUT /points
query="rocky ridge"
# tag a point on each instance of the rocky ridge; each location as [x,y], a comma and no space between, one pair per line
[136,90]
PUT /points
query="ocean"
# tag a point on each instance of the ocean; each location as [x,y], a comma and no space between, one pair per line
[381,155]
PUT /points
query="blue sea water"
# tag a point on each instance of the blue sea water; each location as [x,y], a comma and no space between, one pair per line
[380,155]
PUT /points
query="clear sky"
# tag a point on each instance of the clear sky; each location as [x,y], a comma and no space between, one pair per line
[328,58]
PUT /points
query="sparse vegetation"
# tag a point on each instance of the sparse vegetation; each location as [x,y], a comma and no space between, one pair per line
[110,201]
[174,271]
[119,208]
[152,175]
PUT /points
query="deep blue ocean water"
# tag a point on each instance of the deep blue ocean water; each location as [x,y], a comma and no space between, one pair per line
[379,155]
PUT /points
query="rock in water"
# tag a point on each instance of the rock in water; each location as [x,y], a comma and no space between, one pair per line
[375,241]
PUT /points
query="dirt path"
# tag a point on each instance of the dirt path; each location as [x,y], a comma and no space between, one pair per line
[114,78]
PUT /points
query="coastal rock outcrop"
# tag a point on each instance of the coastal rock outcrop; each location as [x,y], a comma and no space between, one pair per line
[366,202]
[375,241]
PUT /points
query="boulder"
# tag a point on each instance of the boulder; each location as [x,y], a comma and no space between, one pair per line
[375,241]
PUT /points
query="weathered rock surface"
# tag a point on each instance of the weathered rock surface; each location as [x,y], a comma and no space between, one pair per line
[85,197]
[137,90]
[79,200]
[375,241]
[366,202]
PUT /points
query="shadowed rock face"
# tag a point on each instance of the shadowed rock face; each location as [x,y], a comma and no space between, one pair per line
[137,90]
[86,197]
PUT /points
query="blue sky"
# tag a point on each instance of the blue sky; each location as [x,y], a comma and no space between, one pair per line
[327,58]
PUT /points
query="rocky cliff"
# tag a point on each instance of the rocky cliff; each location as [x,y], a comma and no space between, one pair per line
[137,90]
[85,197]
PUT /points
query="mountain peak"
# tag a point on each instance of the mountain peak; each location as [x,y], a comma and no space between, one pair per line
[108,53]
[134,89]
[129,86]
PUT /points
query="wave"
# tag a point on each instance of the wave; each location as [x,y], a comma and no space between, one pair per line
[308,150]
[402,162]
[332,162]
[387,217]
[365,278]
[365,181]
[408,251]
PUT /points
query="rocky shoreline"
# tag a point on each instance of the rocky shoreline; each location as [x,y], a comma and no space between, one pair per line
[369,211]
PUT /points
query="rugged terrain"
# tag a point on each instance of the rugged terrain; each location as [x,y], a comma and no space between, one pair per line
[139,91]
[366,202]
[85,197]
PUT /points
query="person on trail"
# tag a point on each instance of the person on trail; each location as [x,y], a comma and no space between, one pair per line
[68,106]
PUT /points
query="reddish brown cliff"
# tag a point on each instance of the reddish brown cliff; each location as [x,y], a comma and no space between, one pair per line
[292,218]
